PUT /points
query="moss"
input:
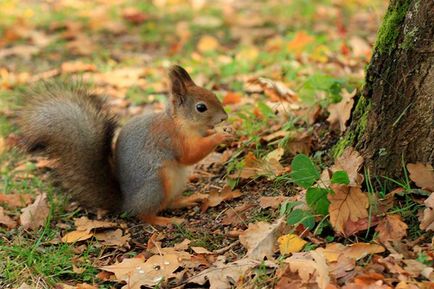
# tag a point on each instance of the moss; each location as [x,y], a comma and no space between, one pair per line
[354,133]
[409,38]
[390,28]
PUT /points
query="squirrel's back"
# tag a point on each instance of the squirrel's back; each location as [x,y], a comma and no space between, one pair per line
[72,126]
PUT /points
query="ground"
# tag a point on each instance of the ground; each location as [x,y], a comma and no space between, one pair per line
[287,73]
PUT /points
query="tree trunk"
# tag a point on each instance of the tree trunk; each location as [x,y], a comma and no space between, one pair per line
[393,119]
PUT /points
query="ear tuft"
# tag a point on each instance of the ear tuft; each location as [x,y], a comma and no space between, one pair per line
[180,80]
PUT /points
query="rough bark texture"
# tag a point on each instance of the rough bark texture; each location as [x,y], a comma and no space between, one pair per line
[393,121]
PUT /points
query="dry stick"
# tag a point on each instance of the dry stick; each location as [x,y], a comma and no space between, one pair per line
[227,248]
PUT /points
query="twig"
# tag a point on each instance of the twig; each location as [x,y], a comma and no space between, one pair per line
[224,249]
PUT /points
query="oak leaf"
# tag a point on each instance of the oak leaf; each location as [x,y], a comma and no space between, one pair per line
[347,203]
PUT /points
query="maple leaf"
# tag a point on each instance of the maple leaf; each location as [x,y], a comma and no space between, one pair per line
[347,203]
[422,175]
[35,215]
[340,112]
[427,217]
[391,228]
[260,239]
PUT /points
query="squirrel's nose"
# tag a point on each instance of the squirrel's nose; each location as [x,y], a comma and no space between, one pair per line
[224,117]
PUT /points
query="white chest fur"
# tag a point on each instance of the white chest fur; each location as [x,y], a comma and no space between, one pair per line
[177,176]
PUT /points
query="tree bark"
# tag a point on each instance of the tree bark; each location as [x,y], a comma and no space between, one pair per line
[393,119]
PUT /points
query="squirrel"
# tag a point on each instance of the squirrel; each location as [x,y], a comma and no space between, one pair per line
[148,168]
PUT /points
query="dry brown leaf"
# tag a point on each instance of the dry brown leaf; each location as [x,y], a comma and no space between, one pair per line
[299,142]
[310,266]
[260,239]
[427,217]
[215,198]
[113,238]
[136,272]
[273,202]
[77,66]
[84,224]
[254,167]
[340,112]
[189,201]
[350,161]
[422,175]
[221,275]
[133,15]
[275,90]
[360,250]
[6,220]
[15,200]
[200,250]
[76,236]
[347,203]
[183,245]
[34,215]
[391,228]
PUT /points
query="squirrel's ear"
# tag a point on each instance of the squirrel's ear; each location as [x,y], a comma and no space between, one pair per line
[180,80]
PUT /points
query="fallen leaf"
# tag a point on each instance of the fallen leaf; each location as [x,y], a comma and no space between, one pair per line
[223,276]
[136,272]
[260,239]
[347,203]
[340,112]
[422,175]
[391,228]
[216,197]
[77,66]
[273,202]
[275,90]
[290,243]
[207,43]
[15,200]
[84,224]
[360,250]
[200,250]
[231,98]
[35,215]
[427,217]
[134,15]
[350,161]
[254,167]
[113,238]
[6,220]
[298,44]
[76,236]
[310,265]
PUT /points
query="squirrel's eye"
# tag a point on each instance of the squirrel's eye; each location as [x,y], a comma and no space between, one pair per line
[201,107]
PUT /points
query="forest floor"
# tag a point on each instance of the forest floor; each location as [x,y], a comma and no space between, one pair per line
[271,217]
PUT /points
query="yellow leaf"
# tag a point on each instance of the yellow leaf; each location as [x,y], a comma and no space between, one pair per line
[290,244]
[76,236]
[207,43]
[299,43]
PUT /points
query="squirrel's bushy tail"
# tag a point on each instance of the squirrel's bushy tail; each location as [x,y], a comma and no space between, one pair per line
[71,125]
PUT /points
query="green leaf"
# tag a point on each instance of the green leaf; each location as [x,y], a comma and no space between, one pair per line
[299,216]
[288,206]
[304,173]
[317,200]
[340,177]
